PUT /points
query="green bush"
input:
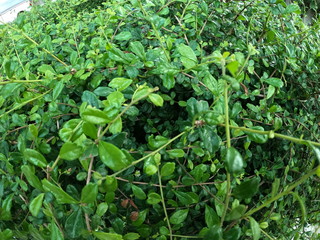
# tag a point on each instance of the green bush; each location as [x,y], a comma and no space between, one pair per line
[159,120]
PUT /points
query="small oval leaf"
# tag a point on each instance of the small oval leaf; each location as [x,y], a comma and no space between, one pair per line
[35,157]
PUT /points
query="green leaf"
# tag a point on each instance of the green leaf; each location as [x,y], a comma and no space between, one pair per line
[107,236]
[167,169]
[8,67]
[61,196]
[210,139]
[256,231]
[175,153]
[211,217]
[35,205]
[6,208]
[90,98]
[33,130]
[256,137]
[316,152]
[138,192]
[131,236]
[35,157]
[102,209]
[276,82]
[56,234]
[179,216]
[153,198]
[95,116]
[168,80]
[271,91]
[116,126]
[112,156]
[187,198]
[74,224]
[236,213]
[233,234]
[156,99]
[156,142]
[195,108]
[233,161]
[233,68]
[141,92]
[138,49]
[89,193]
[57,90]
[247,189]
[150,166]
[120,83]
[292,8]
[46,68]
[90,130]
[70,151]
[188,57]
[214,232]
[123,36]
[302,206]
[31,177]
[275,187]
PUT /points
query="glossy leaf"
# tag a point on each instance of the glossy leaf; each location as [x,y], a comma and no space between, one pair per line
[233,234]
[138,49]
[179,216]
[138,192]
[95,116]
[214,232]
[6,206]
[89,193]
[316,152]
[35,157]
[120,83]
[90,130]
[107,236]
[150,167]
[247,188]
[195,108]
[276,82]
[187,198]
[74,224]
[36,204]
[167,169]
[112,156]
[210,139]
[131,236]
[57,90]
[70,151]
[33,180]
[211,217]
[256,231]
[233,161]
[102,209]
[153,198]
[236,213]
[257,137]
[188,57]
[56,234]
[175,153]
[61,196]
[156,99]
[157,142]
[116,126]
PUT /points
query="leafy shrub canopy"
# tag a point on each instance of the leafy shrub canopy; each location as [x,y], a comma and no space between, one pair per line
[159,120]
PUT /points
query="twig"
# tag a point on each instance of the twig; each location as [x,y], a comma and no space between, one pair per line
[185,36]
[86,215]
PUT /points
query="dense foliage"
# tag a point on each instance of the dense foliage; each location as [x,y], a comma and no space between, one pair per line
[159,120]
